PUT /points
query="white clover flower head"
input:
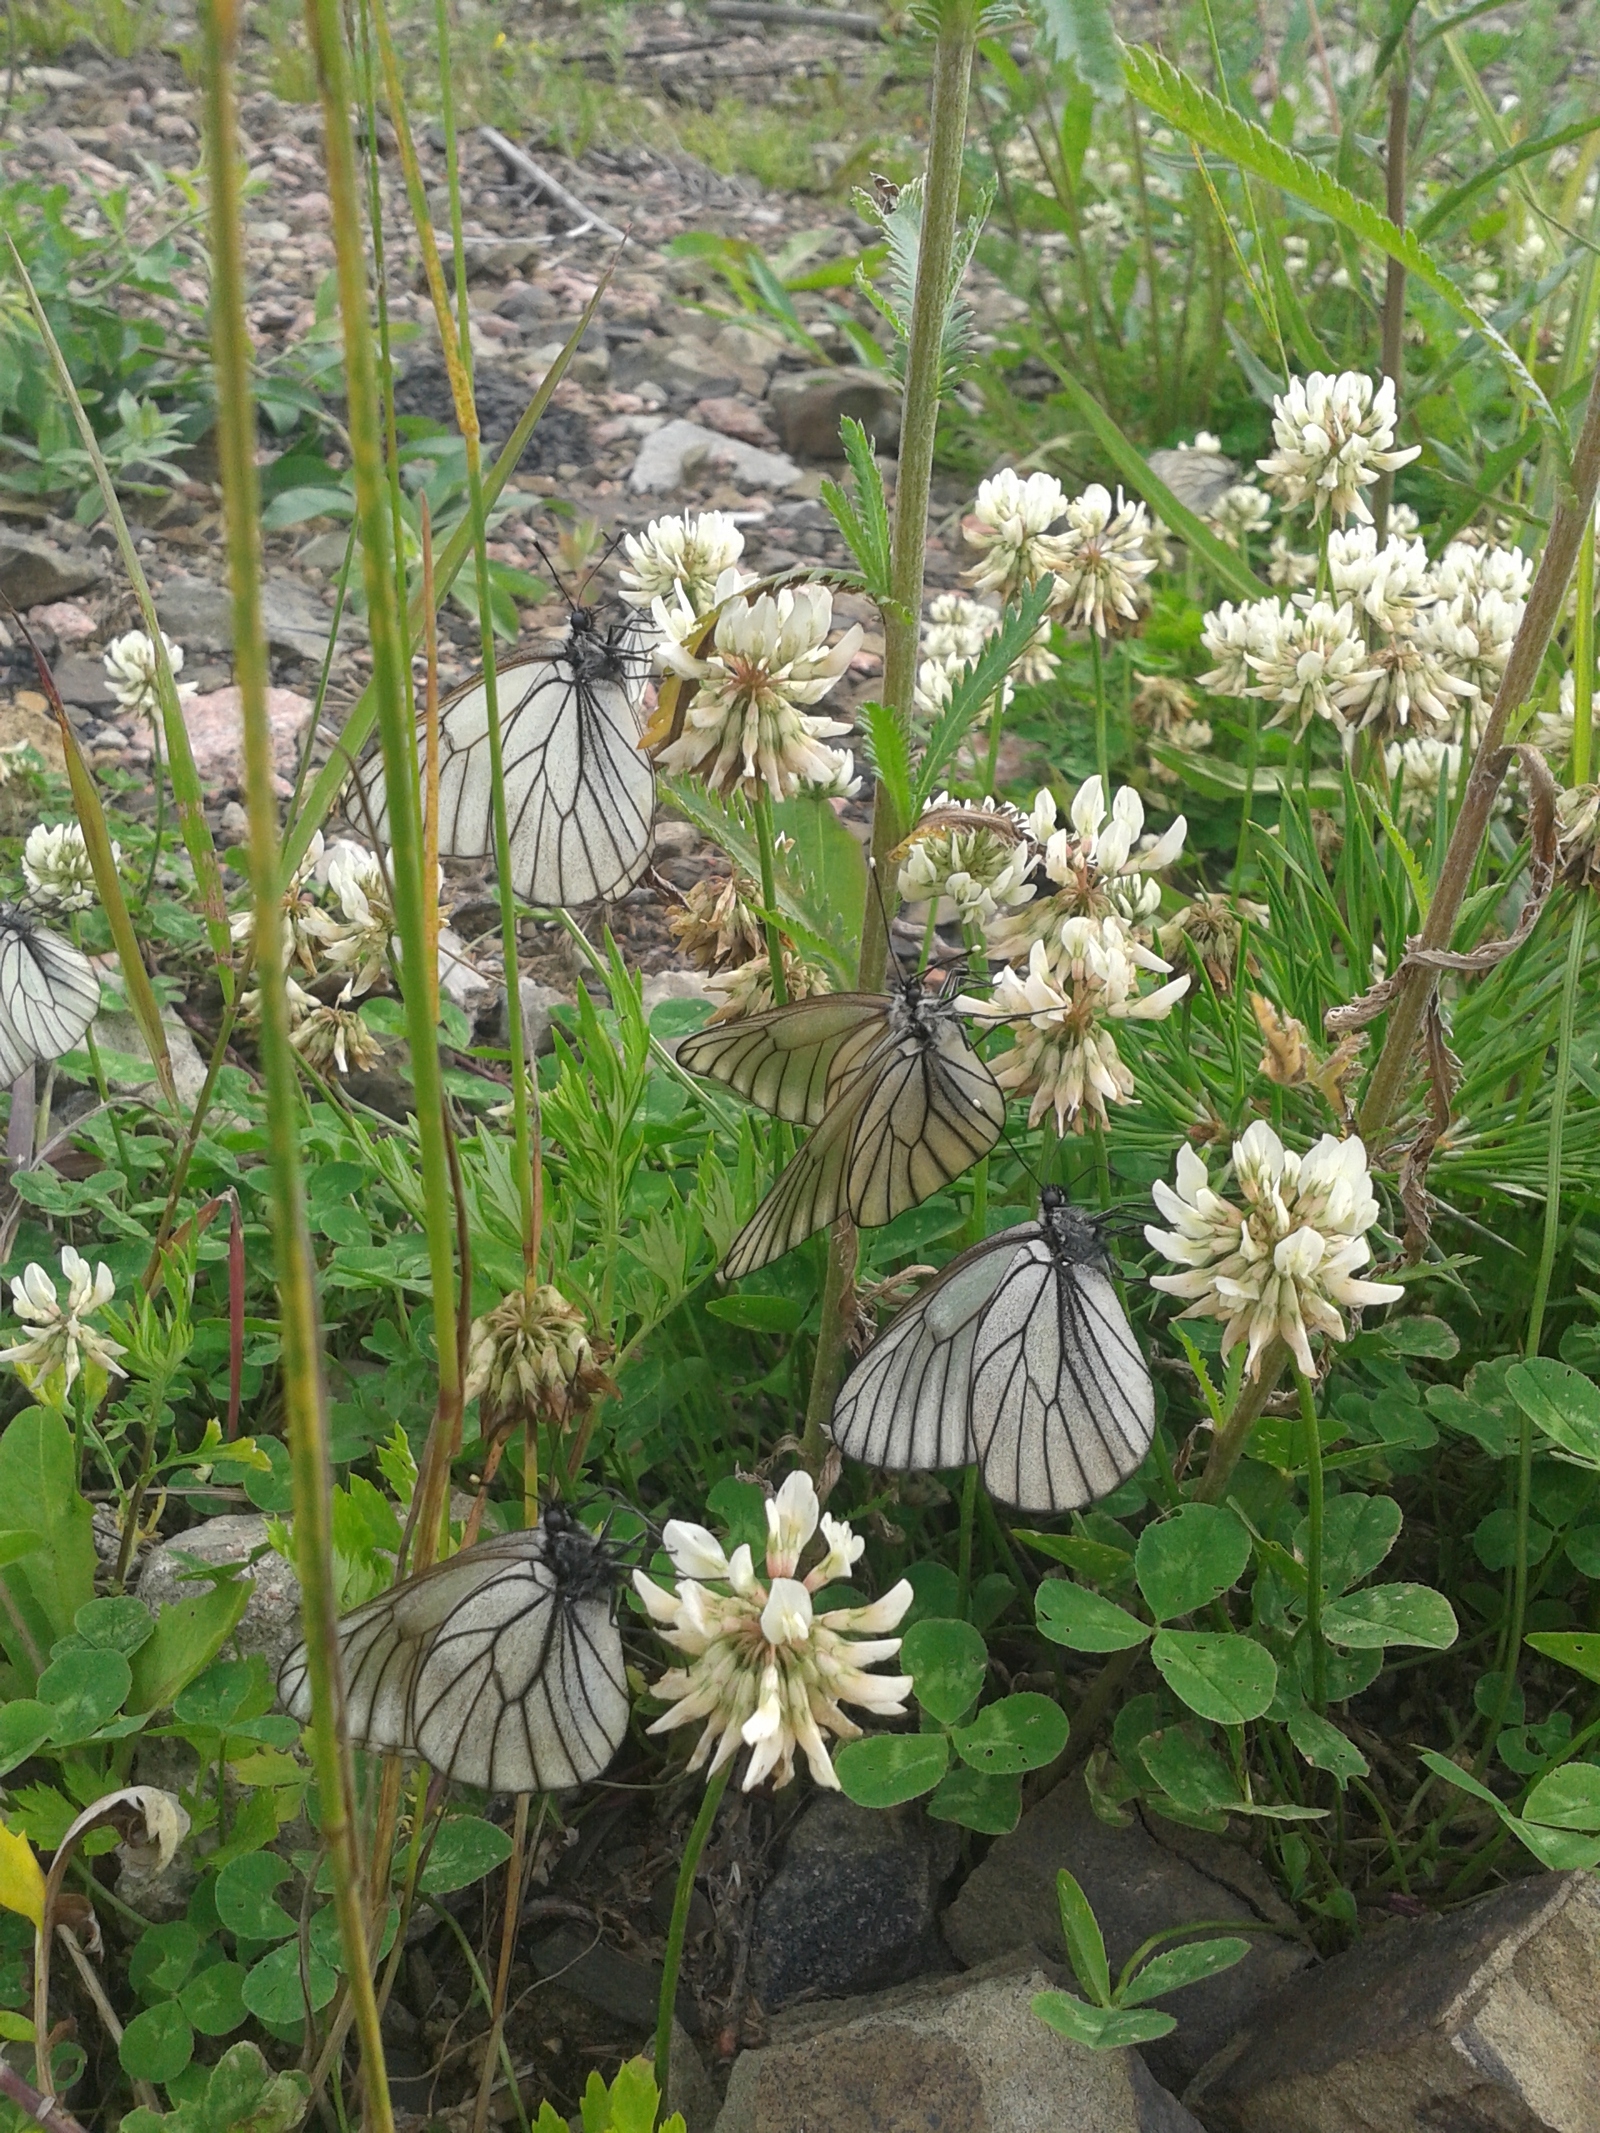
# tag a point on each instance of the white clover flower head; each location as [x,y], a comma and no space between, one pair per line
[980,857]
[1390,584]
[1334,437]
[1284,1265]
[56,868]
[1482,591]
[1010,523]
[359,882]
[1101,865]
[1229,634]
[746,988]
[130,664]
[764,1670]
[1313,664]
[683,556]
[308,927]
[1416,682]
[745,726]
[957,628]
[1241,512]
[58,1340]
[1424,765]
[1100,562]
[1289,567]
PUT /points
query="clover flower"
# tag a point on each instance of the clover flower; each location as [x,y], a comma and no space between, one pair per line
[1552,730]
[684,557]
[335,1037]
[1229,634]
[1334,437]
[1065,1056]
[745,727]
[1096,865]
[1242,511]
[764,1670]
[746,989]
[56,868]
[1313,663]
[1100,562]
[130,664]
[1284,1264]
[1484,589]
[58,1341]
[1424,765]
[957,628]
[1209,930]
[718,926]
[532,1358]
[1390,584]
[360,946]
[308,928]
[1290,567]
[1414,678]
[1166,709]
[1010,523]
[979,857]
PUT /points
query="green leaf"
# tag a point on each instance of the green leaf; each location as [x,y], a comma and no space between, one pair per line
[1177,1967]
[24,1727]
[1020,1732]
[1194,1777]
[244,2095]
[891,1767]
[1325,1747]
[862,515]
[465,1849]
[1562,1402]
[188,1636]
[244,1898]
[1162,88]
[1187,1559]
[760,1314]
[1102,2029]
[214,2001]
[1569,1798]
[115,1625]
[1084,1622]
[14,1546]
[158,2044]
[1418,1336]
[1579,1649]
[889,754]
[1358,1532]
[947,1662]
[990,1805]
[86,1688]
[272,1989]
[973,689]
[1391,1614]
[1086,1947]
[1082,31]
[162,1959]
[1219,1675]
[39,1470]
[225,1694]
[1095,1560]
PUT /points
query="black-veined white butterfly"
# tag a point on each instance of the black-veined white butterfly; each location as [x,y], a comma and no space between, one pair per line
[1018,1358]
[580,795]
[900,1101]
[501,1667]
[1199,479]
[49,994]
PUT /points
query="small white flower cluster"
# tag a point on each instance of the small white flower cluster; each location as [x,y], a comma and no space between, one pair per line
[1075,947]
[1334,437]
[130,664]
[748,726]
[1099,559]
[1284,1264]
[57,1340]
[764,1670]
[55,866]
[978,857]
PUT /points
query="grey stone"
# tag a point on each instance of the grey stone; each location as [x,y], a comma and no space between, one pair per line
[82,682]
[621,1986]
[747,346]
[460,980]
[526,300]
[809,405]
[484,255]
[674,985]
[853,1905]
[295,620]
[958,2055]
[690,2089]
[539,1003]
[116,1030]
[324,551]
[1481,2020]
[34,571]
[196,614]
[682,366]
[676,840]
[1143,1879]
[668,456]
[270,1623]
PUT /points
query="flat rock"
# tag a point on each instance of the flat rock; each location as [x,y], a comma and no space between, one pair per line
[65,619]
[270,1623]
[460,979]
[196,614]
[82,681]
[27,721]
[34,572]
[853,1904]
[116,1030]
[809,405]
[1144,1879]
[294,619]
[604,1977]
[216,733]
[1481,2020]
[539,1003]
[485,255]
[670,454]
[957,2055]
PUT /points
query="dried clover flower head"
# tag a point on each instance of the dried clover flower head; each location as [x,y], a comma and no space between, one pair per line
[335,1037]
[745,727]
[58,1340]
[763,1669]
[531,1357]
[717,926]
[1284,1264]
[55,865]
[1010,523]
[1100,562]
[1209,930]
[980,857]
[747,988]
[683,557]
[1578,834]
[1334,437]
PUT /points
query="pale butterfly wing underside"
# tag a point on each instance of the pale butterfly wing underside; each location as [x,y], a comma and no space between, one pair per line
[1198,479]
[49,995]
[898,1113]
[580,794]
[1018,1358]
[486,1668]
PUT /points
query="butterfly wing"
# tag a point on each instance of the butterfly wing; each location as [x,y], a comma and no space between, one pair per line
[522,1689]
[915,1113]
[904,1405]
[1062,1407]
[48,997]
[1198,479]
[791,1060]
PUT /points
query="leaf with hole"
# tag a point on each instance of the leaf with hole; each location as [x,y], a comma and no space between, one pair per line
[1218,1674]
[1357,1533]
[1578,1649]
[1020,1732]
[1084,1622]
[1187,1560]
[1325,1747]
[1392,1614]
[1562,1402]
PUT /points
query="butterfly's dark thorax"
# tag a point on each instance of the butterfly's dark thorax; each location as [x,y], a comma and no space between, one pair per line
[1072,1234]
[599,648]
[582,1565]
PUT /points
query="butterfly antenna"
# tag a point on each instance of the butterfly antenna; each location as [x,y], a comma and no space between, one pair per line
[543,554]
[883,913]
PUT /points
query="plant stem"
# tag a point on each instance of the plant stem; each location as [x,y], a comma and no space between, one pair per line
[1252,746]
[1319,1651]
[508,1942]
[1228,1444]
[1394,287]
[969,1498]
[1573,514]
[769,894]
[43,2110]
[1583,663]
[1102,743]
[673,1962]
